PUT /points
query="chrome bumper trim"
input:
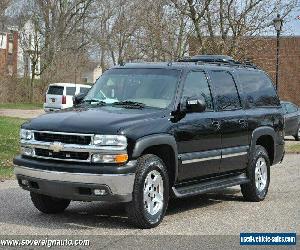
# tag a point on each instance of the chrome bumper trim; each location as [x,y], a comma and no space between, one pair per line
[119,184]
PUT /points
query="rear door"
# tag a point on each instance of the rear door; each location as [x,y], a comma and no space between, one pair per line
[232,119]
[70,92]
[54,96]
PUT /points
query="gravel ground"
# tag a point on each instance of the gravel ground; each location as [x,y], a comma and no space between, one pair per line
[21,113]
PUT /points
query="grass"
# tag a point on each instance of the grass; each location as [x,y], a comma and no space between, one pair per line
[21,105]
[292,148]
[9,144]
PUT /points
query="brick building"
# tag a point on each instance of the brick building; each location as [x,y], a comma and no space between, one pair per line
[263,54]
[9,52]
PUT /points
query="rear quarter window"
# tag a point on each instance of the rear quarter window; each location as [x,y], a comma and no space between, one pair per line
[258,89]
[55,90]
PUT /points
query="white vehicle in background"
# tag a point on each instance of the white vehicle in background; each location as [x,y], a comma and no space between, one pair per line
[60,95]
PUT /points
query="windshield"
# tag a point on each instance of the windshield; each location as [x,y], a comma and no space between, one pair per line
[151,87]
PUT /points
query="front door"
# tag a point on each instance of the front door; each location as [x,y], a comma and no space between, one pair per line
[233,121]
[197,134]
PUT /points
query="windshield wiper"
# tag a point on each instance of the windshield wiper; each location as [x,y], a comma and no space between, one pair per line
[130,104]
[97,102]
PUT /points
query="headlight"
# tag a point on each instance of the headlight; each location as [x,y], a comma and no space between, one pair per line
[26,134]
[113,141]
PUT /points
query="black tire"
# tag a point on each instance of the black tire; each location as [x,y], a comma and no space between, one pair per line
[250,190]
[297,135]
[47,204]
[136,209]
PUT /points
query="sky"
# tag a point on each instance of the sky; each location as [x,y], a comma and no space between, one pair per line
[292,27]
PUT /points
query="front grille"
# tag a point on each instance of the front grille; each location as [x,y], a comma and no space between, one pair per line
[64,138]
[64,155]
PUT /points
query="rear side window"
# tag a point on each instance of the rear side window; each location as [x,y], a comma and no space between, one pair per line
[226,94]
[258,89]
[55,90]
[70,90]
[196,85]
[84,90]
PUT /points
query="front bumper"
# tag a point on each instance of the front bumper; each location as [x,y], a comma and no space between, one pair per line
[76,186]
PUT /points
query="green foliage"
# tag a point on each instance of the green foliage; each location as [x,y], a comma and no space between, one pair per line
[9,144]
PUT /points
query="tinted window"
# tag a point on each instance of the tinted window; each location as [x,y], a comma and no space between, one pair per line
[70,90]
[55,90]
[258,89]
[84,90]
[291,108]
[227,97]
[196,85]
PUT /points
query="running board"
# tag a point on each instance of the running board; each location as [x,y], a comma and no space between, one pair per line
[208,186]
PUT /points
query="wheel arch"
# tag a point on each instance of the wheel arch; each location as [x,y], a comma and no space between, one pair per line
[162,145]
[264,136]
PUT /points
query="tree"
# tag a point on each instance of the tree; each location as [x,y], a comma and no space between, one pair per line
[229,26]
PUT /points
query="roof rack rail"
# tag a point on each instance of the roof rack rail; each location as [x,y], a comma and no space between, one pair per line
[217,59]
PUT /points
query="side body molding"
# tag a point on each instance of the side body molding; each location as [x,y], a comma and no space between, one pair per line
[156,140]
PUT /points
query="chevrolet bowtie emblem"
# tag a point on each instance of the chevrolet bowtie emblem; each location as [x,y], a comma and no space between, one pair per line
[56,147]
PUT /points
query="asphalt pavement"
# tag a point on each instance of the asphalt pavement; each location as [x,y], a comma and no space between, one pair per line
[219,213]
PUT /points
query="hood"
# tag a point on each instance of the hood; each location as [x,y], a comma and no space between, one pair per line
[96,120]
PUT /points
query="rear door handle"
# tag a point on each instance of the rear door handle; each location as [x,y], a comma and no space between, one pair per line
[242,121]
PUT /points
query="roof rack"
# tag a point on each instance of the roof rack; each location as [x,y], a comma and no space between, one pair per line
[217,59]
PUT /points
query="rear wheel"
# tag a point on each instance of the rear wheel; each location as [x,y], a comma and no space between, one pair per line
[150,194]
[47,204]
[259,174]
[297,136]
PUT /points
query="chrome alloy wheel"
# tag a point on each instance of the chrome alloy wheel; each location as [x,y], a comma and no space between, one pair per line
[153,192]
[261,174]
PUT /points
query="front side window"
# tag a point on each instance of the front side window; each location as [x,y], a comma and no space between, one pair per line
[196,85]
[84,90]
[226,94]
[151,87]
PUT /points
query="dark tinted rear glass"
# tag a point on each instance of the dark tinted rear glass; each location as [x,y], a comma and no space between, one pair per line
[258,89]
[55,90]
[70,90]
[225,90]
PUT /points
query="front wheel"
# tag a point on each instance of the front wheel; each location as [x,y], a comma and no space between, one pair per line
[150,193]
[259,175]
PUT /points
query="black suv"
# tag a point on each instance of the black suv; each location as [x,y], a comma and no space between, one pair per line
[148,132]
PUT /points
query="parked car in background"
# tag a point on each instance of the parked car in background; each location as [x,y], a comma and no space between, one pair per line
[292,119]
[60,95]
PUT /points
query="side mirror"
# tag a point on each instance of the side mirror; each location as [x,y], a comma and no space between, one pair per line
[77,99]
[195,104]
